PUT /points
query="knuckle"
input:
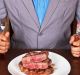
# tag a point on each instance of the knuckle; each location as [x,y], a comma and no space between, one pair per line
[76,55]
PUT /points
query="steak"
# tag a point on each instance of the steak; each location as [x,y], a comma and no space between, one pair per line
[27,71]
[38,65]
[35,57]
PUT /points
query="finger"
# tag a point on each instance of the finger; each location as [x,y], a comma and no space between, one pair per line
[7,34]
[76,55]
[75,48]
[7,46]
[3,48]
[75,51]
[2,51]
[71,39]
[75,40]
[3,43]
[76,43]
[2,37]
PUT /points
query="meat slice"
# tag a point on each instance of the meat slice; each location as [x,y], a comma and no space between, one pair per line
[38,65]
[35,57]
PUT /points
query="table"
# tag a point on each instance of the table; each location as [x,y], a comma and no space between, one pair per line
[12,53]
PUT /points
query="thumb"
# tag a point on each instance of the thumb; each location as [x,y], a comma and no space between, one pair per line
[7,34]
[72,39]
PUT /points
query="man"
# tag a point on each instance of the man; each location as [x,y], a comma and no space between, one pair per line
[39,23]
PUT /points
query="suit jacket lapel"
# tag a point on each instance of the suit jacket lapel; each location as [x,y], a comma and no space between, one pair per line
[29,6]
[51,9]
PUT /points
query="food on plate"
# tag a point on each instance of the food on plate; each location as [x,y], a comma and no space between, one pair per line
[36,63]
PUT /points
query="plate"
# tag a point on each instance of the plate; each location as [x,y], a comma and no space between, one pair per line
[62,66]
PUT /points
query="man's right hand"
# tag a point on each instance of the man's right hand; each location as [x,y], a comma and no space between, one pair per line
[4,42]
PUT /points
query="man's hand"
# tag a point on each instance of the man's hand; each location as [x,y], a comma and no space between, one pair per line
[75,46]
[4,42]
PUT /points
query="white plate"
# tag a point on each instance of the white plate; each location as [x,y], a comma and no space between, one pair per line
[61,64]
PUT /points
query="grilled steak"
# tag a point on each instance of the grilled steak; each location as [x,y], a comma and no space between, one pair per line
[36,63]
[27,71]
[35,57]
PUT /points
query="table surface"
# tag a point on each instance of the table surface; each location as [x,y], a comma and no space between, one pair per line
[5,59]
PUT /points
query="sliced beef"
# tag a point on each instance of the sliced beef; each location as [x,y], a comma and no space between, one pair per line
[38,65]
[35,57]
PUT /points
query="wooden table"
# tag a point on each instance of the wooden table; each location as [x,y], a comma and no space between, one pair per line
[5,59]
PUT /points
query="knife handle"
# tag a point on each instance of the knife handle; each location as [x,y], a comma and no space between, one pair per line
[5,23]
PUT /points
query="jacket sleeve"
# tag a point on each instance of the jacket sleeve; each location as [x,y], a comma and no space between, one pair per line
[3,12]
[78,17]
